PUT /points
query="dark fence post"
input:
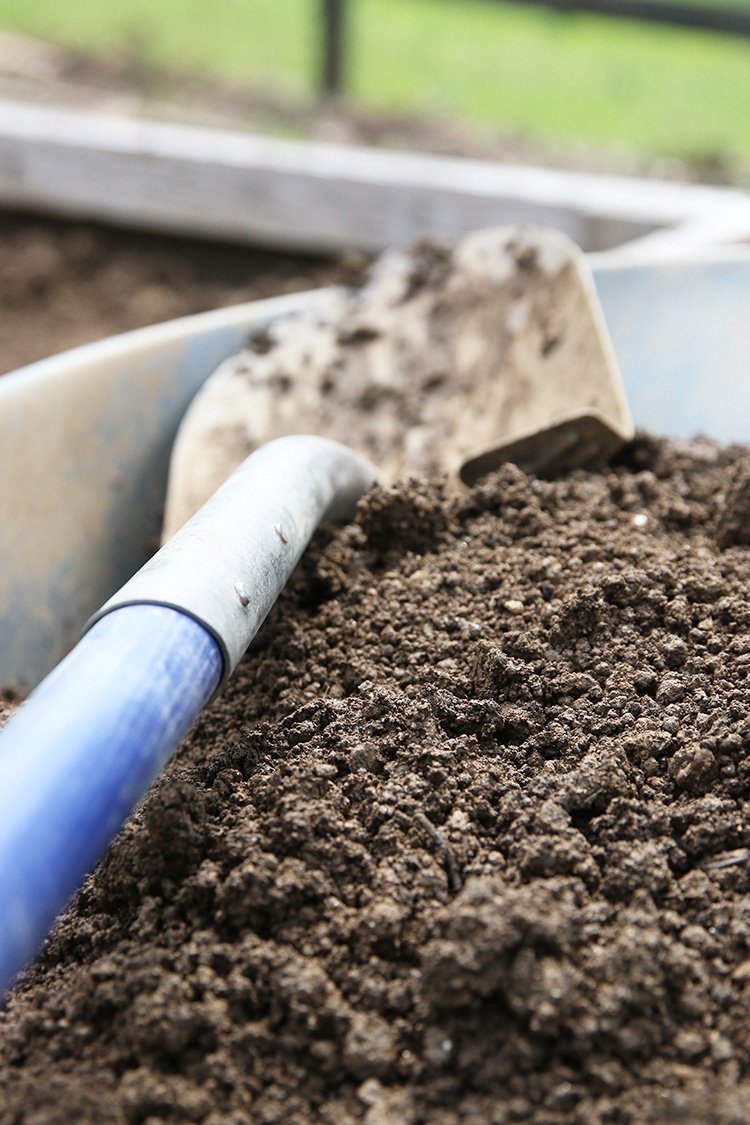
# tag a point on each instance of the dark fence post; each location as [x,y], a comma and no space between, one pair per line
[332,70]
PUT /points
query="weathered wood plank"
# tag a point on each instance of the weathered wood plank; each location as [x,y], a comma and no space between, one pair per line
[307,196]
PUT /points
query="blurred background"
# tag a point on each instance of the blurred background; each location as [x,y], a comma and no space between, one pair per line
[657,88]
[485,77]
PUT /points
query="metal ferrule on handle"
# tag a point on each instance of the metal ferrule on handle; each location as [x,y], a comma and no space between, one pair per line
[84,748]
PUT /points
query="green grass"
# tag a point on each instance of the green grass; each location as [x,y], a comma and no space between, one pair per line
[576,79]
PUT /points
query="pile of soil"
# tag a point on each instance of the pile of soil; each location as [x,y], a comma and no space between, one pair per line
[465,839]
[67,283]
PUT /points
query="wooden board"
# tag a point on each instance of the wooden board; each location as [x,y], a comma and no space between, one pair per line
[308,196]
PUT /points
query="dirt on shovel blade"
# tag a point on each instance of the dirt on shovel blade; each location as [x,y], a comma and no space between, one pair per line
[465,840]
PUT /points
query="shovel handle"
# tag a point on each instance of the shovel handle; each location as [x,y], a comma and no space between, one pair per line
[81,752]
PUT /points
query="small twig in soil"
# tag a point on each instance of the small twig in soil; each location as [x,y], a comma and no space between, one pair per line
[728,859]
[455,882]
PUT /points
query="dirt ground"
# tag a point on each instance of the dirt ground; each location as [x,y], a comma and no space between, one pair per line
[466,839]
[65,283]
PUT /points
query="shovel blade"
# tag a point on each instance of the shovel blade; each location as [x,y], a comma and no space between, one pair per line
[448,361]
[552,398]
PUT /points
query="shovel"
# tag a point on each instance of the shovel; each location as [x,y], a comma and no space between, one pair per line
[81,752]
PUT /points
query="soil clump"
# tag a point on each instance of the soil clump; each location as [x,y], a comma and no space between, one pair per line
[466,839]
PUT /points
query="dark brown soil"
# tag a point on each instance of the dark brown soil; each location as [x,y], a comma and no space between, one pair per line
[63,284]
[466,838]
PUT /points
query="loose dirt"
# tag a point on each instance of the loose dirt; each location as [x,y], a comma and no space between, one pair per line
[466,838]
[64,284]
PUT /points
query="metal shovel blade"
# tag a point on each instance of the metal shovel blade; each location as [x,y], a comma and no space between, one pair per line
[450,360]
[582,439]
